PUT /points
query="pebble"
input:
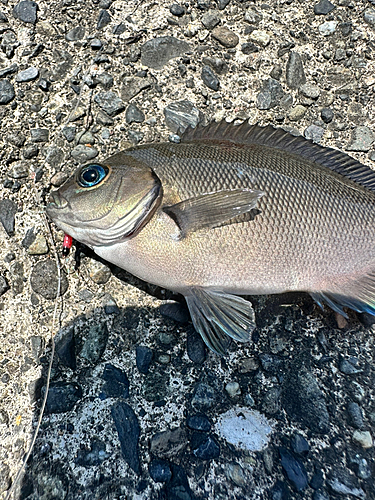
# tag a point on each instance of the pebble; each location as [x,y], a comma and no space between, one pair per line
[297,113]
[66,347]
[299,444]
[62,397]
[95,455]
[208,450]
[85,137]
[233,389]
[4,286]
[348,367]
[328,28]
[175,311]
[54,156]
[279,491]
[317,480]
[355,414]
[252,16]
[309,90]
[235,473]
[248,365]
[210,20]
[180,115]
[135,137]
[343,483]
[363,438]
[225,36]
[7,93]
[195,347]
[96,44]
[294,469]
[157,52]
[160,470]
[133,86]
[104,19]
[83,154]
[16,138]
[110,103]
[295,74]
[320,495]
[99,273]
[204,397]
[8,210]
[249,48]
[144,357]
[39,135]
[324,7]
[39,246]
[361,140]
[25,11]
[43,279]
[260,37]
[105,80]
[77,114]
[168,444]
[245,429]
[134,114]
[199,423]
[128,430]
[209,78]
[69,133]
[18,171]
[369,16]
[95,337]
[270,94]
[9,71]
[178,487]
[116,383]
[30,151]
[326,115]
[5,481]
[75,34]
[177,10]
[314,133]
[27,75]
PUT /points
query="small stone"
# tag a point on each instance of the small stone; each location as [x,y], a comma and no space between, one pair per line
[135,137]
[252,16]
[349,368]
[128,430]
[328,28]
[294,469]
[4,286]
[295,74]
[103,119]
[13,68]
[210,20]
[340,54]
[199,423]
[96,44]
[208,450]
[65,347]
[16,273]
[225,36]
[175,311]
[144,357]
[25,11]
[196,349]
[326,115]
[94,455]
[317,480]
[133,86]
[209,78]
[110,103]
[69,133]
[75,34]
[39,246]
[95,341]
[30,151]
[159,469]
[235,473]
[83,154]
[157,52]
[180,115]
[249,48]
[320,495]
[361,140]
[105,80]
[279,491]
[7,93]
[18,171]
[270,94]
[248,365]
[363,438]
[314,133]
[299,444]
[39,135]
[355,414]
[323,7]
[204,397]
[164,359]
[168,444]
[297,113]
[8,210]
[27,75]
[62,397]
[103,20]
[260,37]
[98,272]
[77,113]
[17,139]
[116,383]
[309,90]
[233,389]
[134,114]
[85,137]
[369,16]
[43,279]
[5,481]
[344,483]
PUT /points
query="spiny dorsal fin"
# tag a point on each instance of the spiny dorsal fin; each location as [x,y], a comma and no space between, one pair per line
[280,139]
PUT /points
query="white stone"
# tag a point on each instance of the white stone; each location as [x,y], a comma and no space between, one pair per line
[260,37]
[328,28]
[363,438]
[233,389]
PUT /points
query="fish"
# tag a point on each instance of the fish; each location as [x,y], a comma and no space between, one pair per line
[230,211]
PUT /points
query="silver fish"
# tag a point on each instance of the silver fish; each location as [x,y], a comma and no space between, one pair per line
[231,210]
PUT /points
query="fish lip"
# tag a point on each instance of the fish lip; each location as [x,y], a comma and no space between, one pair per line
[56,201]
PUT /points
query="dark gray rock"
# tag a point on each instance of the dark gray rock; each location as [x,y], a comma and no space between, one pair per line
[39,135]
[119,29]
[196,348]
[317,480]
[135,136]
[204,397]
[44,84]
[221,4]
[160,470]
[62,397]
[175,311]
[217,64]
[253,16]
[9,43]
[18,171]
[208,450]
[157,52]
[27,75]
[128,430]
[116,383]
[16,138]
[43,279]
[104,19]
[7,93]
[25,11]
[199,423]
[369,16]
[95,455]
[295,74]
[279,491]
[4,286]
[299,444]
[143,358]
[75,34]
[8,210]
[134,114]
[326,115]
[355,415]
[69,133]
[178,487]
[320,495]
[361,140]
[66,348]
[29,238]
[210,20]
[270,94]
[54,156]
[30,151]
[168,444]
[105,80]
[96,44]
[133,86]
[324,7]
[209,78]
[110,103]
[249,48]
[342,482]
[16,272]
[314,133]
[82,153]
[95,341]
[177,10]
[294,469]
[9,71]
[349,368]
[180,115]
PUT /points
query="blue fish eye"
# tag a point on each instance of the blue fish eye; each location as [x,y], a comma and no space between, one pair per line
[91,175]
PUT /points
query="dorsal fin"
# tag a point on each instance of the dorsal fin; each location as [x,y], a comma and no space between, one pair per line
[280,139]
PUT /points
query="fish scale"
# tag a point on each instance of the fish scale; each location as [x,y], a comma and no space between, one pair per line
[311,228]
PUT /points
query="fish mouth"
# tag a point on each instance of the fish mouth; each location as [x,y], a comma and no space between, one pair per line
[56,201]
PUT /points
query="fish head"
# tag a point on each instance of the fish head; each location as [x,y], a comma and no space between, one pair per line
[106,203]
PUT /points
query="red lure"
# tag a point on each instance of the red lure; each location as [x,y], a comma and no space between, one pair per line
[67,245]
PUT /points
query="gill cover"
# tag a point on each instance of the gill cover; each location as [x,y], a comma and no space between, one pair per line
[103,204]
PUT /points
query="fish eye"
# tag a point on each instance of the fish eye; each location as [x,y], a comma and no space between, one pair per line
[91,175]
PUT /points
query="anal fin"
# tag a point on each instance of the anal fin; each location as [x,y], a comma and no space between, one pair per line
[219,315]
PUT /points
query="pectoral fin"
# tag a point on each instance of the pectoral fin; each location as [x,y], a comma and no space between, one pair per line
[217,315]
[213,209]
